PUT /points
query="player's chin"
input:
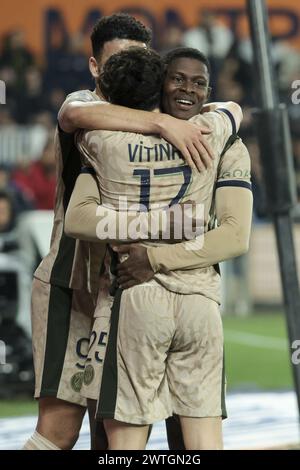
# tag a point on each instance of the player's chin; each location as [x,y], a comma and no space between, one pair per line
[182,113]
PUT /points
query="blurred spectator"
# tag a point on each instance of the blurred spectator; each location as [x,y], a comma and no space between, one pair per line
[228,88]
[285,59]
[45,119]
[38,181]
[31,100]
[236,70]
[77,70]
[213,39]
[16,57]
[6,118]
[67,67]
[172,37]
[234,85]
[21,203]
[55,100]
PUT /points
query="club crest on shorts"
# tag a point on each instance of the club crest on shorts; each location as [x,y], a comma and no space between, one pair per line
[76,381]
[88,375]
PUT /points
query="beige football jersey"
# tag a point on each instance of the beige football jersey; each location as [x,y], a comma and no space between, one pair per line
[234,210]
[148,170]
[69,263]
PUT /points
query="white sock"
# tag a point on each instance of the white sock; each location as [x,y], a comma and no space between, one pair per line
[38,442]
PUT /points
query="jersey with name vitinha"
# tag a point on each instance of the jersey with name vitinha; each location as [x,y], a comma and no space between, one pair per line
[149,172]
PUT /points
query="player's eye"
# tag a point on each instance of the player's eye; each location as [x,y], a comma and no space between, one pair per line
[177,80]
[201,84]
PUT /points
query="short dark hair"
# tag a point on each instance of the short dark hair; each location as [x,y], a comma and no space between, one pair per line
[133,78]
[186,52]
[118,26]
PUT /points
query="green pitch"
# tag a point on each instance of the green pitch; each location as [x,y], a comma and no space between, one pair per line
[17,408]
[256,354]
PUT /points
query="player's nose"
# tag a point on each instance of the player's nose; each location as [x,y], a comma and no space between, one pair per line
[187,87]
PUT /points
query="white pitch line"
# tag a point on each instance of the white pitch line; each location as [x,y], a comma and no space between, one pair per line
[256,420]
[254,340]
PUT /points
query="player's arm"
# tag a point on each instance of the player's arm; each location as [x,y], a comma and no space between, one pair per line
[85,216]
[233,205]
[228,240]
[86,219]
[187,137]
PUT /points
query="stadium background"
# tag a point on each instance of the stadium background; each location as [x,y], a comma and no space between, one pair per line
[44,46]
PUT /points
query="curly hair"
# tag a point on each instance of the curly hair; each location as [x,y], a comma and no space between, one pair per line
[133,78]
[118,26]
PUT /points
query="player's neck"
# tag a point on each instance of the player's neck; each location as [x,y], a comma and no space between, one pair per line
[98,92]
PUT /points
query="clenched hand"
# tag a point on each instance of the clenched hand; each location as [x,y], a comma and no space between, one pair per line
[136,269]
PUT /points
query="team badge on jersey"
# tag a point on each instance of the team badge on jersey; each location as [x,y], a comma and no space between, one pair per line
[76,381]
[88,375]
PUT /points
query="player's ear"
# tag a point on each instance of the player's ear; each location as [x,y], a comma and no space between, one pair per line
[94,68]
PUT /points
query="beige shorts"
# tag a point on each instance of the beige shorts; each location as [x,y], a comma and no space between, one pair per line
[61,324]
[155,353]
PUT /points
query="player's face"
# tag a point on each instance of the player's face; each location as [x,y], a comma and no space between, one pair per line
[185,88]
[110,48]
